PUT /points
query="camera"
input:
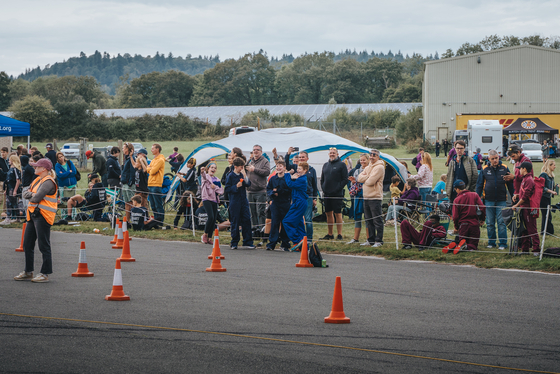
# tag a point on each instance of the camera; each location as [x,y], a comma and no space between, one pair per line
[554,208]
[296,149]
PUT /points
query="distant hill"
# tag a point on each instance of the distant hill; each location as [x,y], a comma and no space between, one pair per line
[108,70]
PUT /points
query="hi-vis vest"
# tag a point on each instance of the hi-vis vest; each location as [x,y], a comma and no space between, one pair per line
[48,205]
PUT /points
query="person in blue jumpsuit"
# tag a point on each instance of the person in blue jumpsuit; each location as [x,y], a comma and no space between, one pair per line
[293,222]
[239,214]
[281,197]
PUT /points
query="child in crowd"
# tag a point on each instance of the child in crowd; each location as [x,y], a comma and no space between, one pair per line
[293,222]
[280,198]
[210,191]
[466,218]
[526,191]
[431,230]
[395,192]
[184,209]
[93,200]
[236,184]
[440,185]
[139,216]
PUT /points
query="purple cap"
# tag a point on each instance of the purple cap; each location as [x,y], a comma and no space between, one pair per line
[44,162]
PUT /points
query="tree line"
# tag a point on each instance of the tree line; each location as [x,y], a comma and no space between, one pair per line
[493,42]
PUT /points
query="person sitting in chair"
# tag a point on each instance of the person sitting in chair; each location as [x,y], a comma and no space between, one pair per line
[410,195]
[93,200]
[431,230]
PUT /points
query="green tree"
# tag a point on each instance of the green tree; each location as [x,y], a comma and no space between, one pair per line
[38,112]
[5,97]
[19,88]
[379,75]
[404,93]
[409,126]
[345,82]
[468,48]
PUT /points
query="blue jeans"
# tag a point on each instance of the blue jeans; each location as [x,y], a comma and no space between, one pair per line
[493,214]
[156,202]
[309,219]
[424,191]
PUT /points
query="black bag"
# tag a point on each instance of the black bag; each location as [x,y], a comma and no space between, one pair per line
[315,256]
[78,175]
[552,252]
[414,161]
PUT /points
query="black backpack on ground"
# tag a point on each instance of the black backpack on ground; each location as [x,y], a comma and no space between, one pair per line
[315,256]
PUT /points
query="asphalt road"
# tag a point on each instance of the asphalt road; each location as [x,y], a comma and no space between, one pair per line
[406,317]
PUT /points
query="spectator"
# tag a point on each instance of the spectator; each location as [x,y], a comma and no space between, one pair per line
[431,230]
[357,195]
[155,180]
[425,176]
[394,188]
[372,179]
[114,169]
[312,190]
[236,184]
[141,176]
[514,152]
[42,195]
[210,191]
[406,167]
[477,157]
[545,150]
[438,147]
[445,145]
[549,190]
[186,204]
[334,177]
[492,185]
[466,218]
[139,218]
[188,179]
[28,175]
[99,165]
[410,195]
[461,167]
[66,176]
[51,154]
[93,200]
[128,175]
[280,197]
[258,170]
[505,144]
[418,159]
[293,221]
[526,191]
[13,182]
[173,157]
[440,185]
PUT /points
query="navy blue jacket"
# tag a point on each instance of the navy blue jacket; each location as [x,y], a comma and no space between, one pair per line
[283,193]
[236,195]
[312,190]
[491,181]
[113,168]
[128,175]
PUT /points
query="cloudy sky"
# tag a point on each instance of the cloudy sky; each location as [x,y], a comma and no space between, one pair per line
[36,33]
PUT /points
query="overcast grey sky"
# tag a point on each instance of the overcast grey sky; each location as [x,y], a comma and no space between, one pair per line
[36,33]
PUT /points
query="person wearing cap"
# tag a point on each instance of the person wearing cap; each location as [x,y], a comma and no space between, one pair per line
[51,153]
[99,165]
[492,187]
[155,181]
[41,213]
[93,200]
[461,167]
[526,191]
[466,216]
[514,151]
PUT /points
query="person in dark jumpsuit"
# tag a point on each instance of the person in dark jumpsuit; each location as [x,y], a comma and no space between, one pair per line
[293,222]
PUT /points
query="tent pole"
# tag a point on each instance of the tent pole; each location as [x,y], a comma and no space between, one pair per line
[28,140]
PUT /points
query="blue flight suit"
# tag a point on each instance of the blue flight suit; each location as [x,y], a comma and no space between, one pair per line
[281,196]
[239,214]
[293,222]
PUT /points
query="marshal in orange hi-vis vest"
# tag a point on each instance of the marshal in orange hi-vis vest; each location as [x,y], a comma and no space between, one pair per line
[48,205]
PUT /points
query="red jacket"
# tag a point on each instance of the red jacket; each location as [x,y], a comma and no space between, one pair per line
[518,178]
[527,190]
[464,209]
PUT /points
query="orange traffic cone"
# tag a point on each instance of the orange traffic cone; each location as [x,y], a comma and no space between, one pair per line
[117,294]
[83,270]
[337,311]
[125,255]
[216,246]
[304,258]
[216,263]
[120,238]
[114,241]
[20,248]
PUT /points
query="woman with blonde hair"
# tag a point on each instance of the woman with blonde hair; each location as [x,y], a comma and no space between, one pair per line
[425,176]
[12,183]
[549,190]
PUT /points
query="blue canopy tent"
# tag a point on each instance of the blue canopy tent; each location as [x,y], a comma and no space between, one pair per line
[13,127]
[315,142]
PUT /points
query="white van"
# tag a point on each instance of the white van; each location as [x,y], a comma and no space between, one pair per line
[486,135]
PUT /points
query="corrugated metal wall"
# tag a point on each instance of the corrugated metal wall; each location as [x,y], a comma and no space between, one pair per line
[524,79]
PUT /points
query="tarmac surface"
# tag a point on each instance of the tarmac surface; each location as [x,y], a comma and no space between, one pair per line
[264,315]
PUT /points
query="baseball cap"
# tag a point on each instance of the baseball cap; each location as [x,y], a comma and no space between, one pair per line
[459,184]
[514,148]
[89,154]
[44,162]
[143,151]
[525,165]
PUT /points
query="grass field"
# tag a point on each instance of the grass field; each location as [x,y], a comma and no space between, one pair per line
[482,258]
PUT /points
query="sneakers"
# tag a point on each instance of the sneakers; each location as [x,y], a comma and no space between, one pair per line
[24,276]
[41,278]
[490,246]
[204,239]
[269,248]
[390,222]
[233,247]
[449,247]
[462,246]
[339,237]
[501,248]
[251,246]
[285,249]
[7,221]
[353,241]
[328,237]
[407,246]
[377,244]
[366,243]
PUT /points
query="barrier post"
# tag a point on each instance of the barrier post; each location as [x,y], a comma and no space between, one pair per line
[396,220]
[192,216]
[544,232]
[114,203]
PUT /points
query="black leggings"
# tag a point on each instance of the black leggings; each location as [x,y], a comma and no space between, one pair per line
[13,211]
[211,208]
